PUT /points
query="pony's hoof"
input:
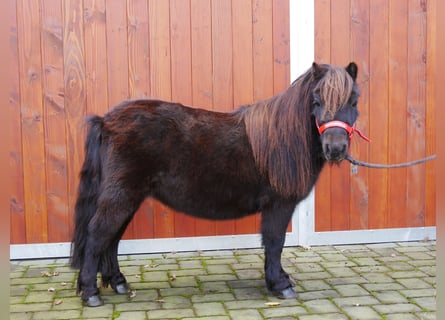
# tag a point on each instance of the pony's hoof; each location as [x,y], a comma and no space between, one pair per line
[287,293]
[122,288]
[94,301]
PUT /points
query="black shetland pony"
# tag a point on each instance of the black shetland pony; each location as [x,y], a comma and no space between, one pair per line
[264,157]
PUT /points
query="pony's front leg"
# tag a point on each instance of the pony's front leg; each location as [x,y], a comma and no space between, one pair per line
[273,229]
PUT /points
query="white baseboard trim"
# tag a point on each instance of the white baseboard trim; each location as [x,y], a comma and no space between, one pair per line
[145,246]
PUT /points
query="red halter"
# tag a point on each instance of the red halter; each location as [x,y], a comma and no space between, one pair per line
[340,124]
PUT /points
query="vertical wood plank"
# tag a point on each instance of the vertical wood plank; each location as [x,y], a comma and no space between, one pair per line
[340,55]
[160,86]
[202,75]
[75,101]
[430,123]
[243,77]
[415,215]
[139,86]
[378,112]
[13,185]
[222,72]
[281,47]
[96,81]
[117,51]
[262,50]
[181,68]
[54,115]
[398,70]
[32,122]
[138,49]
[322,11]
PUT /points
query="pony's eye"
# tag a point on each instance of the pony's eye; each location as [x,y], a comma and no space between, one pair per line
[354,104]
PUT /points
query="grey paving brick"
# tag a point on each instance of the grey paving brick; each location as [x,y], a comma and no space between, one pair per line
[390,296]
[361,313]
[279,311]
[321,306]
[132,315]
[401,316]
[351,290]
[209,309]
[170,314]
[247,314]
[56,315]
[426,303]
[331,316]
[397,308]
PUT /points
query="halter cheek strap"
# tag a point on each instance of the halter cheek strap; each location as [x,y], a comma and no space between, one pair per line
[340,124]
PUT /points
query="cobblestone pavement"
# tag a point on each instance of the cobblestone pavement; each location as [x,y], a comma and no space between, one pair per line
[377,281]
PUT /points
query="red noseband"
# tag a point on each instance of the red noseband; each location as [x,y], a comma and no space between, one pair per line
[340,124]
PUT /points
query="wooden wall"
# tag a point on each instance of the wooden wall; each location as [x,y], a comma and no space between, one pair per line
[70,58]
[393,43]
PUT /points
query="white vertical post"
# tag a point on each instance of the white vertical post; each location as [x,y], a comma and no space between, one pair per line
[302,52]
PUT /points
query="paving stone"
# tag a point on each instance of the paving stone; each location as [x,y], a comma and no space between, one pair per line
[411,293]
[331,316]
[355,301]
[426,315]
[247,314]
[279,311]
[361,313]
[351,290]
[426,303]
[210,309]
[390,297]
[397,308]
[213,297]
[105,311]
[314,285]
[414,283]
[170,314]
[245,304]
[219,269]
[56,315]
[401,316]
[132,315]
[321,306]
[209,318]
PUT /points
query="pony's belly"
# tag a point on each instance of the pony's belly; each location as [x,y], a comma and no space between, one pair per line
[211,207]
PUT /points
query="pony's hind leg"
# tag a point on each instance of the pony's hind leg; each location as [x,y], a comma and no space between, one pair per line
[104,232]
[274,224]
[109,267]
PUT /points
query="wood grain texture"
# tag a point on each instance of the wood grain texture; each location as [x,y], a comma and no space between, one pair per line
[12,188]
[54,117]
[340,175]
[75,95]
[322,29]
[392,43]
[398,41]
[33,144]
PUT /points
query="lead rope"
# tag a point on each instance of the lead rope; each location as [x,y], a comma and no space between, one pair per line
[388,166]
[350,130]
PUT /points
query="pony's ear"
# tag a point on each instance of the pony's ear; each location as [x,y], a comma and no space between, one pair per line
[352,69]
[316,71]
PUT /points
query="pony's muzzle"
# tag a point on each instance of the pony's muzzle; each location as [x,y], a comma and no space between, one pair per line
[335,144]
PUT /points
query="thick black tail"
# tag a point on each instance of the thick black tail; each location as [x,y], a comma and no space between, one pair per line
[88,191]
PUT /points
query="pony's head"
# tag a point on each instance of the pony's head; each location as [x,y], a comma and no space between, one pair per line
[334,106]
